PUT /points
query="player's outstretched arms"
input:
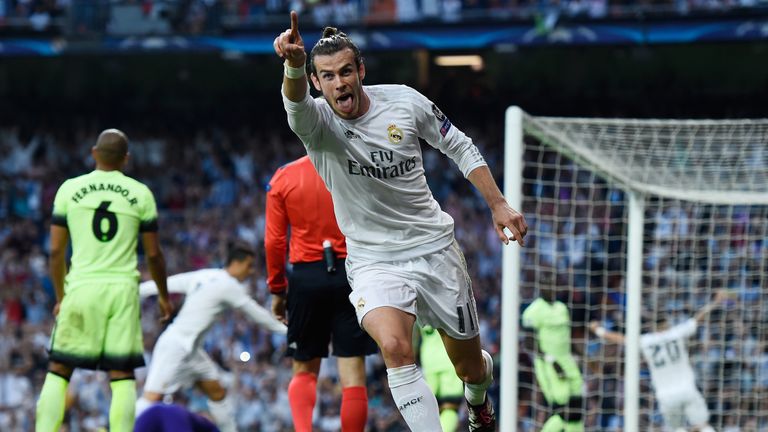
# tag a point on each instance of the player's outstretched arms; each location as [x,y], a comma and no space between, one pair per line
[290,46]
[503,215]
[720,296]
[261,317]
[605,334]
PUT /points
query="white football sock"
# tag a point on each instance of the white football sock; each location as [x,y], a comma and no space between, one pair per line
[475,393]
[223,412]
[414,399]
[142,404]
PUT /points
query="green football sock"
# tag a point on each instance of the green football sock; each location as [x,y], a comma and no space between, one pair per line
[449,420]
[122,410]
[50,406]
[553,424]
[574,426]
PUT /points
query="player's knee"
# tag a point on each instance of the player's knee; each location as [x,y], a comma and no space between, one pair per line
[60,369]
[217,394]
[115,375]
[397,351]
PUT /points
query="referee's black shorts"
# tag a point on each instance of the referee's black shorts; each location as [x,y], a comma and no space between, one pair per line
[319,313]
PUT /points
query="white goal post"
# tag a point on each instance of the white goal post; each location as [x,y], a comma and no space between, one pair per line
[644,219]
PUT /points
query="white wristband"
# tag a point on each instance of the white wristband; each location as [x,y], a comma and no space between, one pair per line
[294,72]
[600,332]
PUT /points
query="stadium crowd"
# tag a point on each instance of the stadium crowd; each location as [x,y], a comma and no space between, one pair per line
[210,188]
[204,16]
[209,183]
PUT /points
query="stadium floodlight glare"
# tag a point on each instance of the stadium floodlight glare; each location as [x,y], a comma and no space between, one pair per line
[640,218]
[473,61]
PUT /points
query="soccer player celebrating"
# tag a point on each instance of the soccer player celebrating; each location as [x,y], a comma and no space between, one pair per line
[556,370]
[97,307]
[672,376]
[178,358]
[316,296]
[403,261]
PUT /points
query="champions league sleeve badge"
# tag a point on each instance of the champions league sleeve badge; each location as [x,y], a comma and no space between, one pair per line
[446,126]
[439,114]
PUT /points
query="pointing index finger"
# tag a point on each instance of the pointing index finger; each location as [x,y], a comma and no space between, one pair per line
[294,26]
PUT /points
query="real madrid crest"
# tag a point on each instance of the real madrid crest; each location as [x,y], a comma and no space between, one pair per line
[395,135]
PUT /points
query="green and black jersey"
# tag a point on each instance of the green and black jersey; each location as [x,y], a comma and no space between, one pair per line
[104,212]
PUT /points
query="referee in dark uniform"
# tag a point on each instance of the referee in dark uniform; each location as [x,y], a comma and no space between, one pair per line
[315,294]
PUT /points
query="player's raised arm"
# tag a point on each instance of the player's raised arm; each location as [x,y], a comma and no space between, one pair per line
[177,284]
[606,334]
[290,47]
[720,296]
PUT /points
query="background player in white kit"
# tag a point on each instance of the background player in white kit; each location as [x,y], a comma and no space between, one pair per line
[666,353]
[403,261]
[178,360]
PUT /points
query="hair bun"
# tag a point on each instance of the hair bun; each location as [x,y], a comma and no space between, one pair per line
[329,31]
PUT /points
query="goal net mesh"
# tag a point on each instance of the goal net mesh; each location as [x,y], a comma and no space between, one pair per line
[704,186]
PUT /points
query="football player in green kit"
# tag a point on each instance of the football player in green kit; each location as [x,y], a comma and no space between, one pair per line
[97,300]
[557,373]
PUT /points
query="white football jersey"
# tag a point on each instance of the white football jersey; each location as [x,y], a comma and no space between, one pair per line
[209,292]
[666,354]
[374,169]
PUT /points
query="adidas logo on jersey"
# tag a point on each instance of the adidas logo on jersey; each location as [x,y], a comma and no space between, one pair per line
[350,135]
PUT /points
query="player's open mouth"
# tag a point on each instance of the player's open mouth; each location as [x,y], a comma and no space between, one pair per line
[345,102]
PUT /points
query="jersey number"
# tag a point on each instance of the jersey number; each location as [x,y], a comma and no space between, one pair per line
[102,216]
[672,353]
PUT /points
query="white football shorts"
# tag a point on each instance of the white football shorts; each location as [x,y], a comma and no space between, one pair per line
[689,405]
[435,288]
[173,368]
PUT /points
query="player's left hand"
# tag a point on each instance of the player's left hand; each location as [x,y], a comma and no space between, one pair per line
[505,216]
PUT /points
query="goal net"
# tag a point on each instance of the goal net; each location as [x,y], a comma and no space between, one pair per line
[641,221]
